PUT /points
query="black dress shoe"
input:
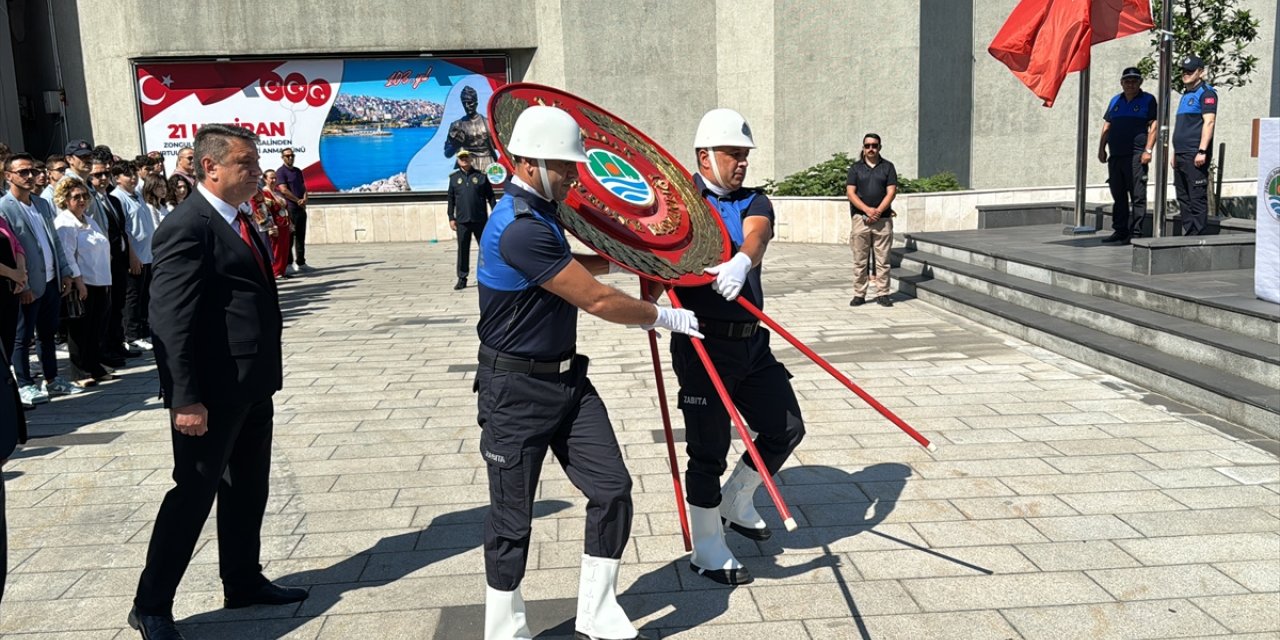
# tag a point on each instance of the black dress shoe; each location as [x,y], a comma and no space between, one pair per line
[1116,238]
[748,532]
[578,635]
[154,627]
[858,301]
[462,284]
[268,593]
[114,362]
[730,577]
[132,353]
[884,301]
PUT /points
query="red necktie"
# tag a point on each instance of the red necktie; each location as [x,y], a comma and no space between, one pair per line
[253,248]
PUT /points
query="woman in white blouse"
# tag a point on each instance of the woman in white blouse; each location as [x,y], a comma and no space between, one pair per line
[90,253]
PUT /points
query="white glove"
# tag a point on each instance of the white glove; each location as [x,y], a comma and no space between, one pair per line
[677,320]
[731,275]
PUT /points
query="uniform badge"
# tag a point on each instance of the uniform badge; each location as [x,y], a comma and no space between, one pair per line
[475,179]
[459,181]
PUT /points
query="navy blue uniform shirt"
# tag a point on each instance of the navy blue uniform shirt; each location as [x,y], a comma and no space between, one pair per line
[1190,121]
[1129,121]
[733,209]
[524,246]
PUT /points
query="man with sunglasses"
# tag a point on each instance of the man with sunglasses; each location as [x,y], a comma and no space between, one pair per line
[871,186]
[1129,132]
[49,276]
[293,187]
[1193,146]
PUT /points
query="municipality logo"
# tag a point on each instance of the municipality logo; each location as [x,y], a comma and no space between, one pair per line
[619,177]
[1272,193]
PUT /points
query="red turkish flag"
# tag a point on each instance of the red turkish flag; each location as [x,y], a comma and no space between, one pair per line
[1044,40]
[163,85]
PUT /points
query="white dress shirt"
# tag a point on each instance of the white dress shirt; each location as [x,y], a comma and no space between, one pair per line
[87,247]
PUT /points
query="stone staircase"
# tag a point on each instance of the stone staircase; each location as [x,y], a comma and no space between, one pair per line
[1219,354]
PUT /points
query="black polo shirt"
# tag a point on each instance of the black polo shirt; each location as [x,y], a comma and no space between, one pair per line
[872,182]
[523,247]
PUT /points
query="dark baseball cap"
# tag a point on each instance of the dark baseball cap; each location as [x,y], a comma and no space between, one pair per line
[1192,63]
[78,148]
[1130,72]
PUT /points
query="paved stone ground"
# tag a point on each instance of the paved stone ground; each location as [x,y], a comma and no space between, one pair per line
[1061,503]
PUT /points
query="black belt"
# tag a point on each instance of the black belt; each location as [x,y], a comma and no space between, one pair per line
[496,360]
[731,330]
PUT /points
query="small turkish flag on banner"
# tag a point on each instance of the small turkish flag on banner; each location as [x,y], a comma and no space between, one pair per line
[1044,40]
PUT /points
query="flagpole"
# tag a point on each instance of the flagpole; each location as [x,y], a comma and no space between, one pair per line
[1082,151]
[1162,142]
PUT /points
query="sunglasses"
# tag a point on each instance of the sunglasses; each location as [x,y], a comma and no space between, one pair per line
[62,169]
[25,173]
[286,155]
[100,174]
[871,146]
[78,196]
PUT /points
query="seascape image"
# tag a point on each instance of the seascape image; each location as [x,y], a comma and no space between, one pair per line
[386,113]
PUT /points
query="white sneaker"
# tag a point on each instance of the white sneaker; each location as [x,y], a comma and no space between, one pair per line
[307,268]
[60,387]
[292,269]
[32,395]
[143,344]
[28,395]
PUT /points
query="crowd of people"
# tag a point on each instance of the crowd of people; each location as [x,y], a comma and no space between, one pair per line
[76,260]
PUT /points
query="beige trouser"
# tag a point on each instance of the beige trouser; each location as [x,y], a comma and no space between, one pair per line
[865,237]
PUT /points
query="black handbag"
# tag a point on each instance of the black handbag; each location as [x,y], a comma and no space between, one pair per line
[72,306]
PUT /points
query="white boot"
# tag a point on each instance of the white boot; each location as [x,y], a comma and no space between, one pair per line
[600,617]
[504,615]
[737,503]
[711,556]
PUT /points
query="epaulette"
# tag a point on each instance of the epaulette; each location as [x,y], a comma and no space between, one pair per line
[522,208]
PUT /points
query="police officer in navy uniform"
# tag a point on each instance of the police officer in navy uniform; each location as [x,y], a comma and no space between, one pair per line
[470,199]
[1129,132]
[534,394]
[758,384]
[1193,146]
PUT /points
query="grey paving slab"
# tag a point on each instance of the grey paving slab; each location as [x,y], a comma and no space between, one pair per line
[1055,490]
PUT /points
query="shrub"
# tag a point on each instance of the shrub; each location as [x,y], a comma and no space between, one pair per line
[830,177]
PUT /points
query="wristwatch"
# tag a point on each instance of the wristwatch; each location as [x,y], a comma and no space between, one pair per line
[1202,151]
[1149,151]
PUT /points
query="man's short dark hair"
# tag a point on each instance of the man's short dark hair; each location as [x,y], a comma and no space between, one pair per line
[38,164]
[214,141]
[14,157]
[122,168]
[872,135]
[141,161]
[57,157]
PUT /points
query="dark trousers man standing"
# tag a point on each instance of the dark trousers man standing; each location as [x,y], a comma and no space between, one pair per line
[1127,177]
[466,230]
[136,299]
[1192,184]
[298,215]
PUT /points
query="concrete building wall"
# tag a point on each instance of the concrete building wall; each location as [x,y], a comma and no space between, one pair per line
[843,69]
[811,76]
[1018,142]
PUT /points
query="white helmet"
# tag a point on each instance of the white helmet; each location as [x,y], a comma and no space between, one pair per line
[723,128]
[546,133]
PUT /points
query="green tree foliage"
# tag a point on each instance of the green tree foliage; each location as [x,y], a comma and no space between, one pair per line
[830,177]
[1214,30]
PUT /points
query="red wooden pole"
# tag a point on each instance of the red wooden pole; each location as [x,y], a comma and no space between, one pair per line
[666,425]
[787,521]
[777,328]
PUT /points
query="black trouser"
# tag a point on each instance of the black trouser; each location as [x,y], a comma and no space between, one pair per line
[114,344]
[1192,184]
[522,416]
[231,462]
[37,323]
[85,334]
[299,253]
[760,388]
[136,300]
[465,231]
[9,310]
[1127,177]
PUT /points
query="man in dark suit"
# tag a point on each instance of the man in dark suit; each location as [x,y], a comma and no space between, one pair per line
[470,199]
[217,323]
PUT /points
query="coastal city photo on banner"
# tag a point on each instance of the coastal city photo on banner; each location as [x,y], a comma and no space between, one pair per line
[357,125]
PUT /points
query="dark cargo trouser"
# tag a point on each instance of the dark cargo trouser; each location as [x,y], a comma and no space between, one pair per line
[521,416]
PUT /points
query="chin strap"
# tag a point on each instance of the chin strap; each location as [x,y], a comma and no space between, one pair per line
[546,182]
[715,168]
